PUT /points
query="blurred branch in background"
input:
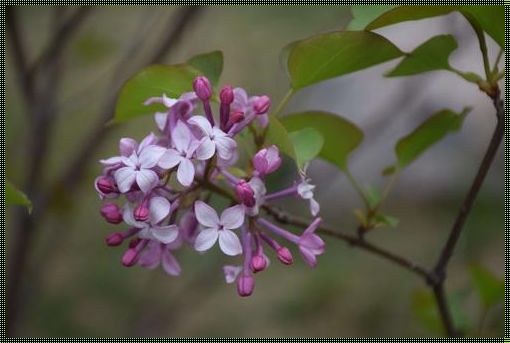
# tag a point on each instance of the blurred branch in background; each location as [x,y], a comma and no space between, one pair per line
[40,86]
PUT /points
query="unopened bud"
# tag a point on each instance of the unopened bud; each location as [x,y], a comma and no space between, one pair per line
[130,257]
[114,239]
[236,117]
[245,193]
[202,88]
[141,212]
[111,213]
[262,104]
[285,256]
[245,285]
[105,185]
[258,263]
[226,95]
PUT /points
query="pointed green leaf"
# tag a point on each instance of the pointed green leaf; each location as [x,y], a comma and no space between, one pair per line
[277,134]
[13,196]
[427,134]
[153,81]
[489,18]
[330,55]
[431,55]
[340,136]
[362,15]
[490,287]
[373,196]
[210,64]
[307,143]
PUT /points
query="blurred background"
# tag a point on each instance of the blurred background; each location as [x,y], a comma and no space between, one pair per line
[71,284]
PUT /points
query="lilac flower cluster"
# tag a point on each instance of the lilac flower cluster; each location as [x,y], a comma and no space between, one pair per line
[164,181]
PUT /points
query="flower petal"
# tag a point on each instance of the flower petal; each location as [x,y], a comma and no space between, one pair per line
[305,190]
[232,217]
[231,273]
[161,118]
[230,243]
[170,264]
[165,234]
[125,177]
[150,139]
[127,216]
[202,123]
[150,156]
[206,215]
[314,207]
[206,149]
[181,136]
[127,146]
[206,239]
[151,256]
[186,172]
[111,161]
[159,209]
[170,159]
[225,146]
[240,100]
[146,179]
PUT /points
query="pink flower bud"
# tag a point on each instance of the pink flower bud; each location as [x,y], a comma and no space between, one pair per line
[226,95]
[236,117]
[285,256]
[202,88]
[111,213]
[130,257]
[258,263]
[261,104]
[114,239]
[245,193]
[245,285]
[141,212]
[134,242]
[106,185]
[267,160]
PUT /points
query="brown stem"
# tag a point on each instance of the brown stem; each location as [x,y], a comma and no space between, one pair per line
[439,274]
[353,240]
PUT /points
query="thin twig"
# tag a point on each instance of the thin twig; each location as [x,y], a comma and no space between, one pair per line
[286,218]
[439,274]
[19,54]
[61,38]
[176,28]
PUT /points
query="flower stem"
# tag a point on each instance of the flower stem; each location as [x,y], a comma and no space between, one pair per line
[283,103]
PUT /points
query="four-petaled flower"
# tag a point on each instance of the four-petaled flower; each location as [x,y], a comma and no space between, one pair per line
[219,227]
[213,140]
[185,146]
[138,167]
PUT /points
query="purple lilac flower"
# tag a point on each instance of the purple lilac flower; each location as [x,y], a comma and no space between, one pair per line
[198,150]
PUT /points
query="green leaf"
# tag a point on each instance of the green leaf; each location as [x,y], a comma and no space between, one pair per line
[13,196]
[490,19]
[385,220]
[153,81]
[334,54]
[487,18]
[427,134]
[431,55]
[210,64]
[307,143]
[277,134]
[490,287]
[364,14]
[340,136]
